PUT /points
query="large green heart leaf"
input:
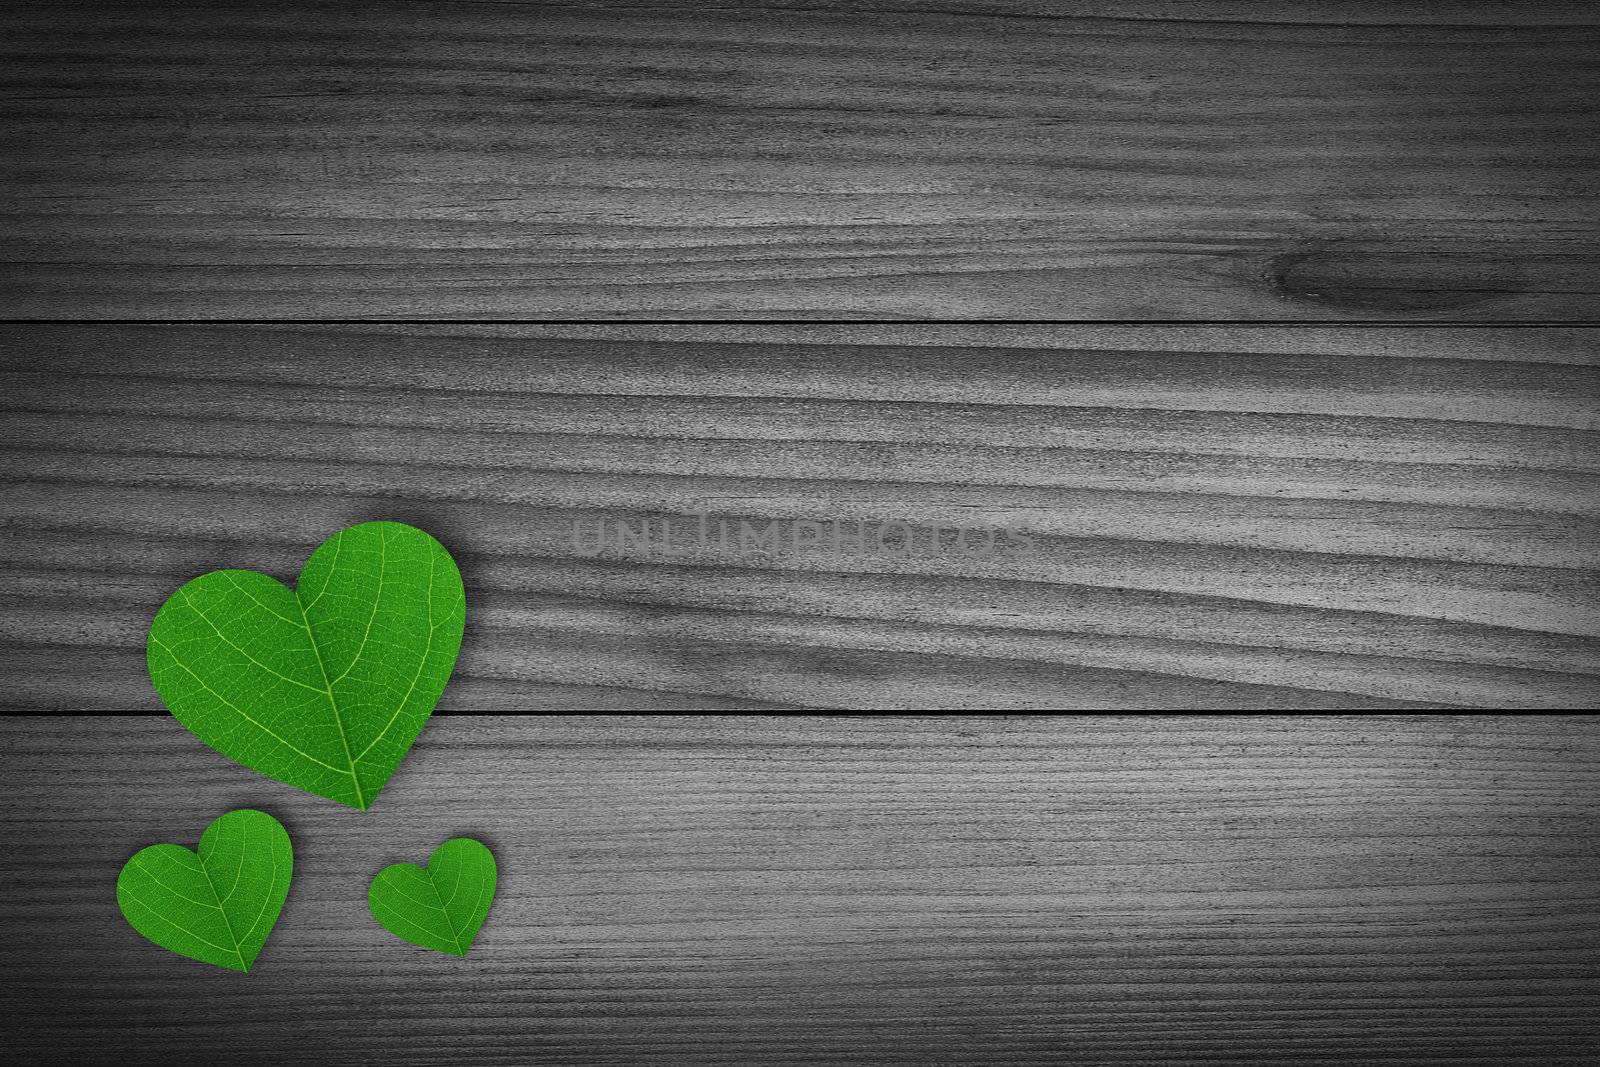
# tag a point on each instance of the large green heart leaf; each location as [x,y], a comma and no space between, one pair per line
[325,686]
[442,906]
[218,903]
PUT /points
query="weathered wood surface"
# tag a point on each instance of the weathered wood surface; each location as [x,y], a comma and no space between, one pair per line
[1250,159]
[1234,518]
[869,890]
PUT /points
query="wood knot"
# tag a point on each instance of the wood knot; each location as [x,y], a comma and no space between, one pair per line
[1393,280]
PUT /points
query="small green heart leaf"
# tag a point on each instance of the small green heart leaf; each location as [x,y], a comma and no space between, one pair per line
[324,686]
[218,903]
[441,906]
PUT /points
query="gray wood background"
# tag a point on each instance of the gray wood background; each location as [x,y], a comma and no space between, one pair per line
[1138,159]
[850,890]
[1317,518]
[1235,518]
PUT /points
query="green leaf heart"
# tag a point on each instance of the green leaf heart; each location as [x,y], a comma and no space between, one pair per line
[326,686]
[441,906]
[217,904]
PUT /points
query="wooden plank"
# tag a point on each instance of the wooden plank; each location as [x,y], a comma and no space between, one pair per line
[900,890]
[1233,159]
[1241,518]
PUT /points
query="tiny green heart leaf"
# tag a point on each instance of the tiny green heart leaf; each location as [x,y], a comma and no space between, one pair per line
[324,686]
[441,906]
[218,903]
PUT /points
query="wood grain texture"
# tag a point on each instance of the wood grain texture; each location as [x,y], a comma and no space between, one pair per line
[1235,518]
[908,890]
[1248,159]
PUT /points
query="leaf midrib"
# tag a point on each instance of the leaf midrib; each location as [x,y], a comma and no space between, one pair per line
[227,923]
[322,667]
[444,910]
[333,705]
